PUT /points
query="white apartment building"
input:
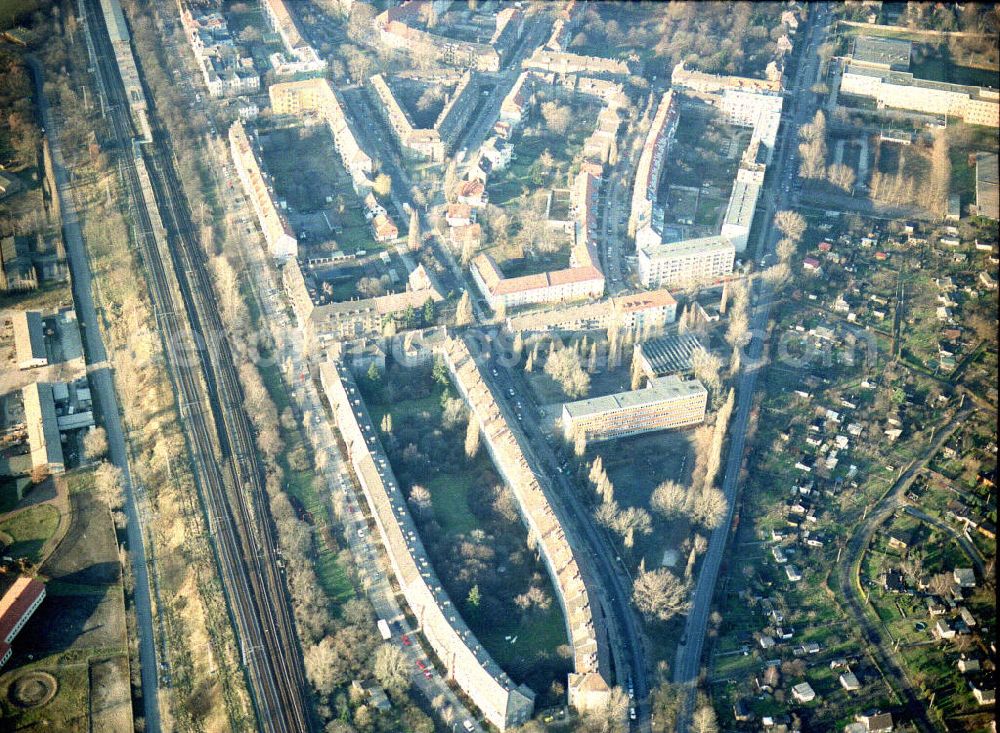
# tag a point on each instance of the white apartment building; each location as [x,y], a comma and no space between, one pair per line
[299,56]
[743,204]
[901,90]
[278,233]
[686,264]
[667,403]
[654,154]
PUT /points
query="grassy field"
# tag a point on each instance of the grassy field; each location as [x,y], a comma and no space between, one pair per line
[301,485]
[27,532]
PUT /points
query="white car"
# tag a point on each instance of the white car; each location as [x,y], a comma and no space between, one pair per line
[467,724]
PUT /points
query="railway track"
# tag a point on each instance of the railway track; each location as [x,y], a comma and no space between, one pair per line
[220,437]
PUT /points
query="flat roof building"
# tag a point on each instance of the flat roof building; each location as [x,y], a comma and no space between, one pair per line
[667,403]
[686,264]
[29,339]
[902,90]
[43,427]
[668,355]
[987,191]
[884,53]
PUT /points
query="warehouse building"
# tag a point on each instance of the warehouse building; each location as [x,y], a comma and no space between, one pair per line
[660,357]
[29,339]
[43,427]
[667,403]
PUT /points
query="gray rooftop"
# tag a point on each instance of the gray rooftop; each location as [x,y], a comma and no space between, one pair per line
[670,354]
[987,191]
[29,339]
[687,247]
[891,53]
[662,389]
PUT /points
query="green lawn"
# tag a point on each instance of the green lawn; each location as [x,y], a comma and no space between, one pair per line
[28,531]
[449,495]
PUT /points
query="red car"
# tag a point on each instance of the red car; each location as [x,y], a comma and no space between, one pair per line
[406,640]
[422,666]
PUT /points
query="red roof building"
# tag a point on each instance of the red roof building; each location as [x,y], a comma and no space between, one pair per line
[16,607]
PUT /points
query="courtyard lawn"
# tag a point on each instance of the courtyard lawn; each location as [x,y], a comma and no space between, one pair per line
[27,532]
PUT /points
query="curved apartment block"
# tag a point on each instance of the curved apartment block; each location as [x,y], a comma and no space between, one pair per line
[502,702]
[587,687]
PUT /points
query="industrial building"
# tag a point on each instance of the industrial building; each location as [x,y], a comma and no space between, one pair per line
[882,53]
[667,355]
[43,428]
[667,403]
[987,191]
[29,339]
[17,606]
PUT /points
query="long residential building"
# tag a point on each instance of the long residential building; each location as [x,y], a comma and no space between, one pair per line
[699,81]
[318,96]
[651,162]
[502,702]
[432,143]
[17,606]
[323,323]
[902,90]
[638,313]
[582,279]
[278,234]
[560,62]
[396,29]
[299,56]
[43,428]
[667,403]
[686,264]
[587,686]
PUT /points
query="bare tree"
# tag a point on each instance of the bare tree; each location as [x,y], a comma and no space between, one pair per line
[710,507]
[706,367]
[659,594]
[472,437]
[564,367]
[557,117]
[842,176]
[320,661]
[669,499]
[413,236]
[420,499]
[392,669]
[108,482]
[704,720]
[791,224]
[785,249]
[95,444]
[463,313]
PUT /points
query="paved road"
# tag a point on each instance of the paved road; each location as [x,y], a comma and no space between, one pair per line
[104,391]
[847,579]
[967,547]
[688,660]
